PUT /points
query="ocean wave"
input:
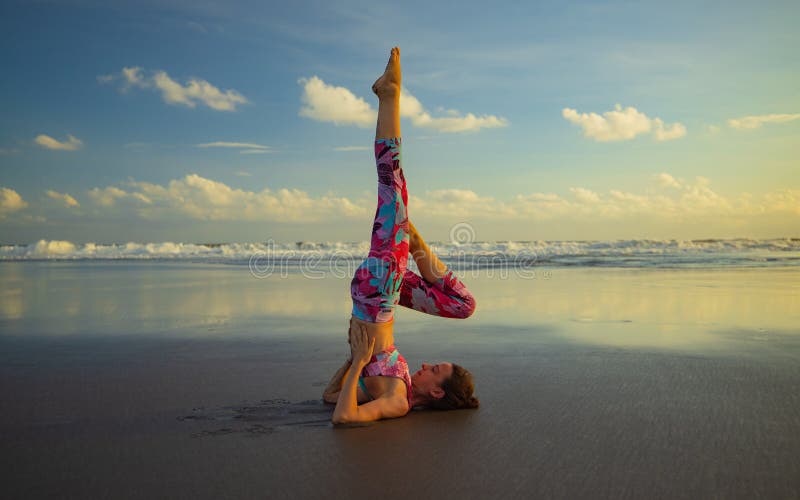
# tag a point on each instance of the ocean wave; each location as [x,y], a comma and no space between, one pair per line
[616,253]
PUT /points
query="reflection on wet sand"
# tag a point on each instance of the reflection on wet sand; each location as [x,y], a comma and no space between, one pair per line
[624,307]
[659,308]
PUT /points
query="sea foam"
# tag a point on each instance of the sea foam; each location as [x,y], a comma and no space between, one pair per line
[616,253]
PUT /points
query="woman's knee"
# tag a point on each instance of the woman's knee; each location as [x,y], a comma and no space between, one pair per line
[465,308]
[469,306]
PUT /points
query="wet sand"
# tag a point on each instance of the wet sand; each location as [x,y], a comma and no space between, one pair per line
[575,403]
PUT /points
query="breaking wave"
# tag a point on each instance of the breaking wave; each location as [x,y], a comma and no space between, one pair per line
[471,255]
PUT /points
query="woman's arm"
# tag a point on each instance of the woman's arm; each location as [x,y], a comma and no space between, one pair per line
[347,403]
[361,349]
[335,385]
[347,409]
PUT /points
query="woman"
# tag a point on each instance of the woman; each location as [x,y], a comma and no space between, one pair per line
[376,382]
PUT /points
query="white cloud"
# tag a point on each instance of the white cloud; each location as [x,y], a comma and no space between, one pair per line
[541,206]
[67,200]
[674,201]
[243,173]
[683,201]
[456,202]
[108,196]
[622,125]
[10,201]
[128,77]
[71,144]
[662,133]
[584,195]
[756,121]
[352,148]
[247,148]
[190,94]
[455,122]
[204,199]
[196,90]
[328,103]
[133,77]
[238,145]
[786,200]
[666,180]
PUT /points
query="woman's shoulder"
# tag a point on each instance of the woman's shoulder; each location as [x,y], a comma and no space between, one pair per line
[394,387]
[397,400]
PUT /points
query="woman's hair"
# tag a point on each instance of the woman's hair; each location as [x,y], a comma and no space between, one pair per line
[458,391]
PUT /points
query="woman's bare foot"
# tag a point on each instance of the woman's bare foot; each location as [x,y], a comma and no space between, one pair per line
[388,85]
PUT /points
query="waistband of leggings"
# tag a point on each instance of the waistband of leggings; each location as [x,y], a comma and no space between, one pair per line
[386,352]
[390,141]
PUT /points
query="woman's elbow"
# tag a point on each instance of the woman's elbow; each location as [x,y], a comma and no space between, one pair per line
[339,419]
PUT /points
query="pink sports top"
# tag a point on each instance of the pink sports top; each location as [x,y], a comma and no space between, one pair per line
[387,363]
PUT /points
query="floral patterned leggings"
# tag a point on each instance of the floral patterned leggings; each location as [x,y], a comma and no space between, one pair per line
[382,280]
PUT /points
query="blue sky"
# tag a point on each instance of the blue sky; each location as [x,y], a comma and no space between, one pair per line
[588,120]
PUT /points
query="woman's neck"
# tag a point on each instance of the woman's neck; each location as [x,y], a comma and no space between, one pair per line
[417,399]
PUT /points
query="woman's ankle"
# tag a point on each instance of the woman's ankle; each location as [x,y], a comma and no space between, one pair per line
[389,93]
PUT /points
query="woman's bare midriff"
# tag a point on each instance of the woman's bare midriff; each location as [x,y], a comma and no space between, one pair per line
[382,332]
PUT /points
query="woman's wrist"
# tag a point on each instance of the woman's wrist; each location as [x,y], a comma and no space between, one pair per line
[358,363]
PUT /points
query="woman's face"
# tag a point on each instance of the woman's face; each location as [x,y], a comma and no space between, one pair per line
[431,375]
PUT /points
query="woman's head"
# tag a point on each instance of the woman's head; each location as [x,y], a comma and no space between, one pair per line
[445,386]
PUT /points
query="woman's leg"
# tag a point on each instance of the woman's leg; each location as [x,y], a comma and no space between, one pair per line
[375,288]
[387,88]
[438,291]
[430,267]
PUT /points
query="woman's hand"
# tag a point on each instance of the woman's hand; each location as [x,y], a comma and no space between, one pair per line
[361,345]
